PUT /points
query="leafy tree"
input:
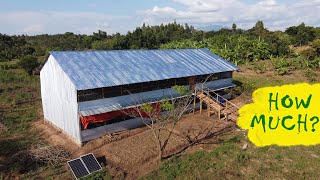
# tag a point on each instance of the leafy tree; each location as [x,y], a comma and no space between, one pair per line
[11,46]
[100,35]
[279,43]
[301,35]
[28,63]
[259,30]
[234,27]
[316,45]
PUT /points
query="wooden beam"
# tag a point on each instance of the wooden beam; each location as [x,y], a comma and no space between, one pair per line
[200,105]
[218,106]
[227,110]
[208,108]
[194,102]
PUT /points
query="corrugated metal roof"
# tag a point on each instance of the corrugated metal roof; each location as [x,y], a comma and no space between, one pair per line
[95,69]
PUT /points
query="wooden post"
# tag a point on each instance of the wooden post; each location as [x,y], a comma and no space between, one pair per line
[208,107]
[227,110]
[218,106]
[194,102]
[200,105]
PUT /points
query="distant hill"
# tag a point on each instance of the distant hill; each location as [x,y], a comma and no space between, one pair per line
[211,28]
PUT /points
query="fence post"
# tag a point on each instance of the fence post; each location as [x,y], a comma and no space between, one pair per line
[218,105]
[201,103]
[194,101]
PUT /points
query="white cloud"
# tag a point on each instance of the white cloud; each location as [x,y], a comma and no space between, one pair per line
[275,14]
[37,22]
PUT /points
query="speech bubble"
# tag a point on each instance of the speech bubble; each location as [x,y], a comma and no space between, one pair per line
[283,115]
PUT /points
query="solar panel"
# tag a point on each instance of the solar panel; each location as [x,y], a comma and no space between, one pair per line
[78,168]
[84,165]
[91,163]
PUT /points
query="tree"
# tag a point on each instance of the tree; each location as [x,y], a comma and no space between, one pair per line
[28,63]
[234,27]
[302,34]
[316,45]
[278,43]
[259,29]
[100,35]
[162,117]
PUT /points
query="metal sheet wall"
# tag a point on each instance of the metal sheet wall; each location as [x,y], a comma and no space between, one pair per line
[59,99]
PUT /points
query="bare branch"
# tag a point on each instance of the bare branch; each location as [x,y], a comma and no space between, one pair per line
[161,114]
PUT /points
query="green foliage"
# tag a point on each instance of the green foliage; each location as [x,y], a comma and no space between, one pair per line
[279,43]
[259,67]
[311,75]
[309,58]
[12,47]
[259,30]
[301,35]
[236,45]
[147,108]
[28,63]
[315,44]
[100,175]
[19,105]
[13,76]
[166,105]
[181,90]
[235,48]
[8,65]
[281,65]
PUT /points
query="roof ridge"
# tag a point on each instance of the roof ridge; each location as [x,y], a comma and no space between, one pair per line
[93,50]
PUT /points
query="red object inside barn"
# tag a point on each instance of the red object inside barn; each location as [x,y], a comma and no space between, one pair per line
[104,117]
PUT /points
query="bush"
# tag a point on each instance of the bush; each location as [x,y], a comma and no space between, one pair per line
[310,75]
[259,67]
[28,63]
[280,65]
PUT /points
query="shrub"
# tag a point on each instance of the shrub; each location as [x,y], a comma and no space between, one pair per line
[28,63]
[310,75]
[280,65]
[259,67]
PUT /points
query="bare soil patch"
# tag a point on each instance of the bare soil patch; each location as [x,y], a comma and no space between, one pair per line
[134,152]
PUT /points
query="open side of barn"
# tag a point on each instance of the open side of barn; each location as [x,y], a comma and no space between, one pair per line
[84,93]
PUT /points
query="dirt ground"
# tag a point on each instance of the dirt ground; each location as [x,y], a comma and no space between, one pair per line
[134,152]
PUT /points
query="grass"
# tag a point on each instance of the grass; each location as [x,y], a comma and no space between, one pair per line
[19,104]
[229,161]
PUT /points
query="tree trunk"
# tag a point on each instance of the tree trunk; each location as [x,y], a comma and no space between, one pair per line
[160,156]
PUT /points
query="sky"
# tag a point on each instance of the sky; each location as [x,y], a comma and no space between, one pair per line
[85,17]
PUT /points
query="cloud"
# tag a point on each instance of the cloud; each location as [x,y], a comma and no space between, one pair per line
[51,22]
[277,15]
